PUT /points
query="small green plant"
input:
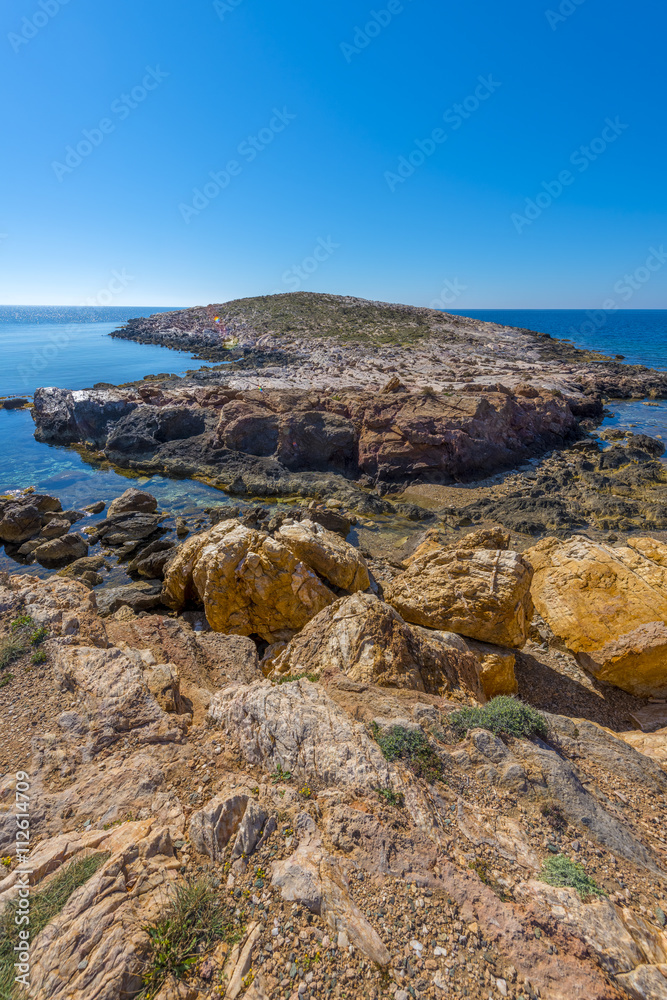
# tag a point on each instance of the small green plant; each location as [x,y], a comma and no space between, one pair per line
[6,861]
[280,775]
[39,656]
[23,621]
[412,748]
[560,871]
[10,650]
[6,679]
[195,918]
[306,792]
[553,814]
[503,716]
[38,636]
[391,798]
[288,678]
[44,906]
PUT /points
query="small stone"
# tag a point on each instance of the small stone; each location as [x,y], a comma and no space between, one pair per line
[502,987]
[660,916]
[343,940]
[82,965]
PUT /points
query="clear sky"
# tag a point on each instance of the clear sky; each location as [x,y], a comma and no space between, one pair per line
[397,150]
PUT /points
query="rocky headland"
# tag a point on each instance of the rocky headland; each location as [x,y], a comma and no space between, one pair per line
[389,720]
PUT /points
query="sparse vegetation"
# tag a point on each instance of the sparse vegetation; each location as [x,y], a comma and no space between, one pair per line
[280,775]
[44,906]
[560,871]
[39,656]
[10,650]
[6,679]
[481,869]
[288,678]
[195,918]
[412,748]
[503,716]
[391,798]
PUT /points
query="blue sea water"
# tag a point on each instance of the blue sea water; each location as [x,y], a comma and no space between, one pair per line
[640,335]
[70,348]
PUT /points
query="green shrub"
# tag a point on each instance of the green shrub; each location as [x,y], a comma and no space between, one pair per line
[44,906]
[6,679]
[411,747]
[391,798]
[39,656]
[196,917]
[503,716]
[38,636]
[560,871]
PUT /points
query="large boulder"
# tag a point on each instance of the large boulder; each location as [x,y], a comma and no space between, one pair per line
[18,522]
[248,582]
[368,641]
[609,605]
[327,553]
[133,501]
[482,593]
[59,551]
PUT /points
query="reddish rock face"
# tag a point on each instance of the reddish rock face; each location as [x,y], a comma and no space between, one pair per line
[391,436]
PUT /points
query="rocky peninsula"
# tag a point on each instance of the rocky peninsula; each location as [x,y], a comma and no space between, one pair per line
[391,722]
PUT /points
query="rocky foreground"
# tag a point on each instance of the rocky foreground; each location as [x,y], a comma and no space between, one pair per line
[393,725]
[302,773]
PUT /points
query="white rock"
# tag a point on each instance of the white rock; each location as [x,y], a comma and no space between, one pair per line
[418,947]
[440,952]
[502,987]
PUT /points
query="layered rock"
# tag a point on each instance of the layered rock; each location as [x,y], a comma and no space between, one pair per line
[388,436]
[248,582]
[482,593]
[609,605]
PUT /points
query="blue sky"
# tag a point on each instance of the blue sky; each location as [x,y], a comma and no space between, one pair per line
[342,162]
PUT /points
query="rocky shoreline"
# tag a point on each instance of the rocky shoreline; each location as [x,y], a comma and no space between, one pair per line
[393,725]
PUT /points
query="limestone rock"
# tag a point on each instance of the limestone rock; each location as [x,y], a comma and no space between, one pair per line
[298,727]
[114,693]
[330,556]
[141,596]
[212,827]
[609,605]
[368,641]
[248,582]
[96,945]
[480,593]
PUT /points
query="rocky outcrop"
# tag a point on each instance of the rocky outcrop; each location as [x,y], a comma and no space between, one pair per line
[609,605]
[369,642]
[248,582]
[97,944]
[299,728]
[114,689]
[482,593]
[392,436]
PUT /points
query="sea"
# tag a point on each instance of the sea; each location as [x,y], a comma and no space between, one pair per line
[70,347]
